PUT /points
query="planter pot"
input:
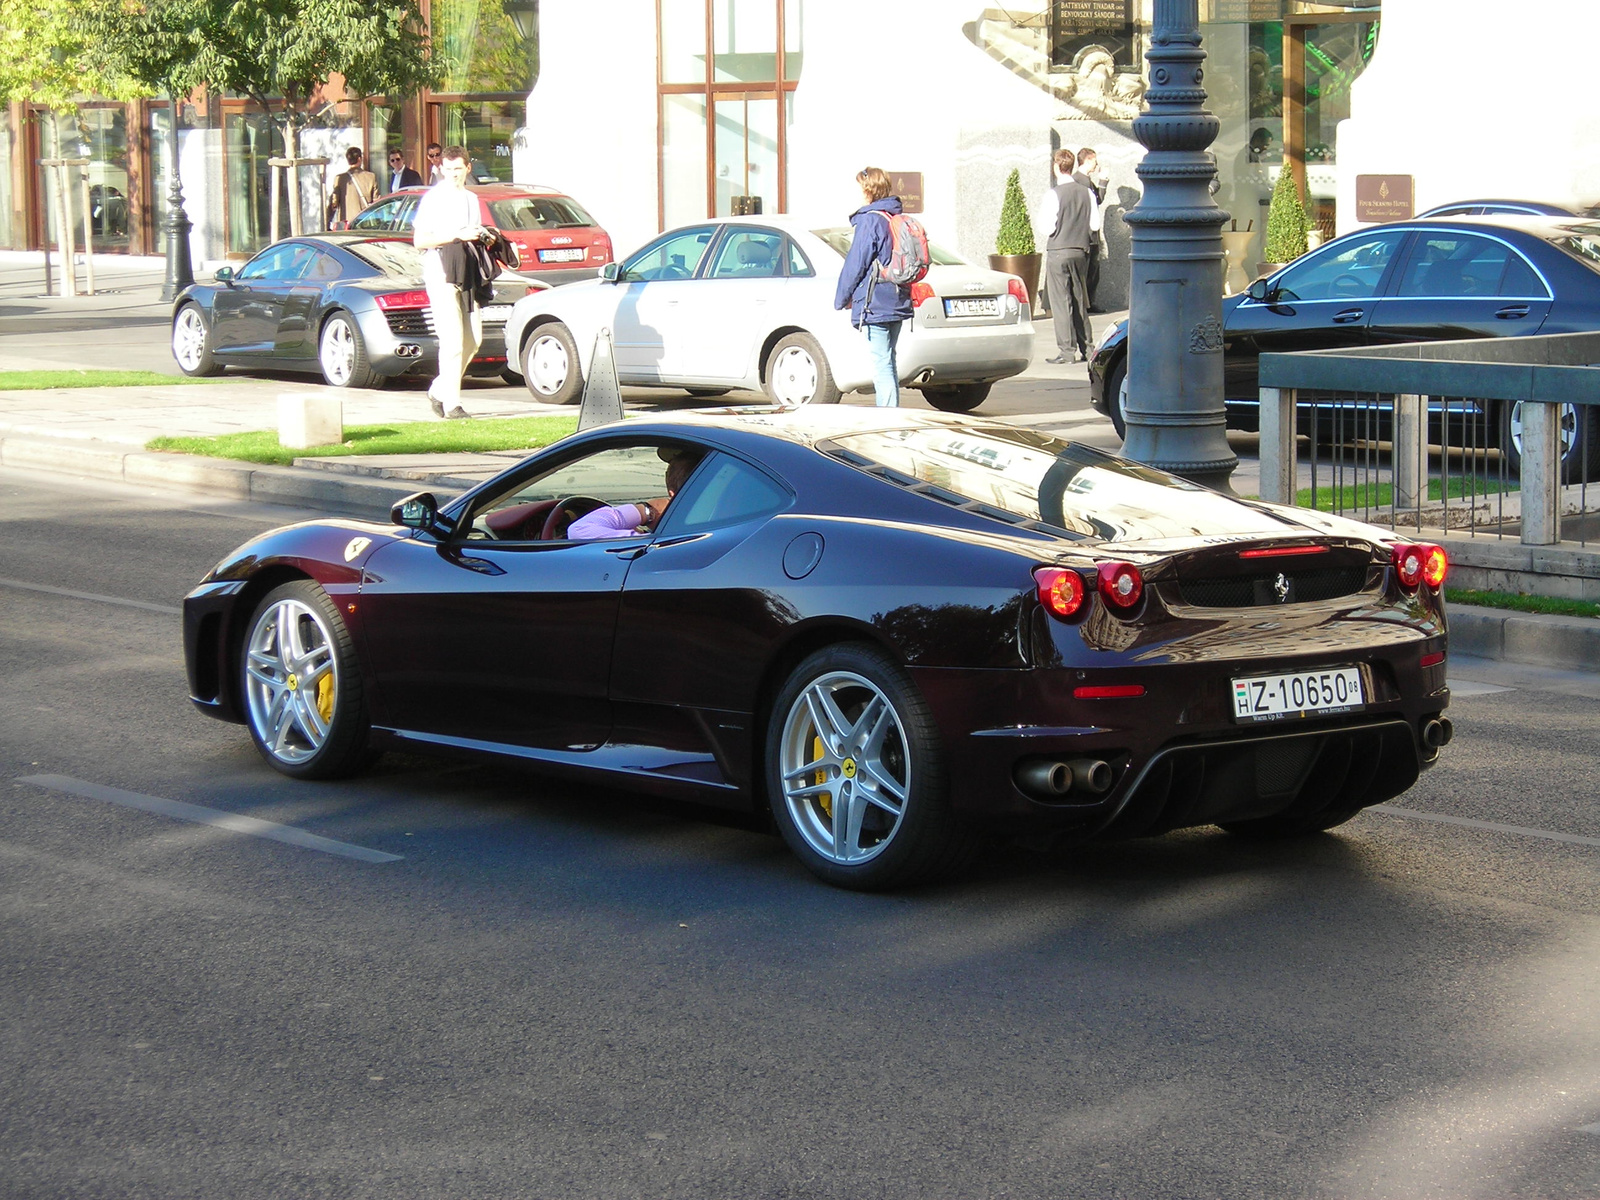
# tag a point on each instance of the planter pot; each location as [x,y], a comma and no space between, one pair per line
[1265,269]
[1235,246]
[1024,266]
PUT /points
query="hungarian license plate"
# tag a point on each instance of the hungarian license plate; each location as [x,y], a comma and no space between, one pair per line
[972,306]
[1303,694]
[496,312]
[575,254]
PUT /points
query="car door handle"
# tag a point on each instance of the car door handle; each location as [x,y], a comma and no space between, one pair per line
[1349,316]
[627,553]
[481,565]
[1512,312]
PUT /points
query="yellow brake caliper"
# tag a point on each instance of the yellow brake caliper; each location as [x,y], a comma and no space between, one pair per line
[325,696]
[825,799]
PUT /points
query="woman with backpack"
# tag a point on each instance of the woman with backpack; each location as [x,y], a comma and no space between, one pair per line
[877,305]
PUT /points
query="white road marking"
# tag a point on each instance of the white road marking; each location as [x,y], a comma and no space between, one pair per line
[1492,826]
[1470,687]
[172,610]
[1589,1128]
[233,822]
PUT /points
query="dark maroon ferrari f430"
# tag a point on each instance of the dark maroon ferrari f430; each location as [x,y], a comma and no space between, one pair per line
[895,630]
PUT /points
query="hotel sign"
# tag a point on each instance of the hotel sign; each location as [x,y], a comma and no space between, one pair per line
[908,186]
[1382,198]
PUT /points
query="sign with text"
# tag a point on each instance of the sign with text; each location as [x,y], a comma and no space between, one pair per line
[1384,198]
[1077,17]
[1081,28]
[908,186]
[1245,10]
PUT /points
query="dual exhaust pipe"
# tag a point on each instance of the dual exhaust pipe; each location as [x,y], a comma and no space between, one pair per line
[1051,779]
[408,350]
[1437,732]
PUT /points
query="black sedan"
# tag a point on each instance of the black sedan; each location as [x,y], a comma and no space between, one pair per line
[1433,280]
[348,305]
[891,630]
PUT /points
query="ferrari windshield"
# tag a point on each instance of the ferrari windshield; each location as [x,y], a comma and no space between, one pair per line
[1032,477]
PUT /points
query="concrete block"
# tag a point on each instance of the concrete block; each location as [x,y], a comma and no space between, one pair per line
[327,493]
[1479,632]
[306,419]
[1570,642]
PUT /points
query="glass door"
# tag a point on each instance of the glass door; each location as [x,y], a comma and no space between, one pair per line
[747,155]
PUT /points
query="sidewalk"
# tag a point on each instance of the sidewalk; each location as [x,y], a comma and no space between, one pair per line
[100,433]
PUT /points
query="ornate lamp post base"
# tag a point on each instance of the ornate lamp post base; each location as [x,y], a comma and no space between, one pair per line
[180,269]
[1174,410]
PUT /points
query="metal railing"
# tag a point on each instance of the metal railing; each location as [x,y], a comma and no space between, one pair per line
[1494,437]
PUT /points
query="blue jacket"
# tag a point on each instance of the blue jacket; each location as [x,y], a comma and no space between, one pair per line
[869,247]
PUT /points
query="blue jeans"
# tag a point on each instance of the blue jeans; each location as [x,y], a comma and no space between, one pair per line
[881,340]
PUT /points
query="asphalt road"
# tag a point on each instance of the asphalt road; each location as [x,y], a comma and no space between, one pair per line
[557,992]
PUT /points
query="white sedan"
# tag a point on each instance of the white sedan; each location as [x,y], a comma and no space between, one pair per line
[747,302]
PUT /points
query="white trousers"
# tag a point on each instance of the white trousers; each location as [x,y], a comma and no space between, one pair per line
[459,331]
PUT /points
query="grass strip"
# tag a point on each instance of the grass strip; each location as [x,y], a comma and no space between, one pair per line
[1515,601]
[1381,495]
[33,381]
[417,437]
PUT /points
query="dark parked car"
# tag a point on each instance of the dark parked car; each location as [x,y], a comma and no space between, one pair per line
[559,241]
[1412,281]
[349,305]
[894,630]
[1515,208]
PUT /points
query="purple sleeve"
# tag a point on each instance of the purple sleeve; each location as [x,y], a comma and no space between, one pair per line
[620,521]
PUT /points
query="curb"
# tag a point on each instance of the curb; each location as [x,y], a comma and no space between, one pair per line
[326,491]
[1492,633]
[1571,643]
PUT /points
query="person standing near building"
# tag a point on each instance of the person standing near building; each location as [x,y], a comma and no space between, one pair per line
[1092,177]
[1067,220]
[401,174]
[435,158]
[353,190]
[877,307]
[449,213]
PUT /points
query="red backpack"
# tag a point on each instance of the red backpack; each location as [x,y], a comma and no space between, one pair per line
[908,250]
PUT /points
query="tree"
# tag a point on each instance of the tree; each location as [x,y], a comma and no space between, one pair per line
[1287,222]
[281,53]
[44,55]
[1016,230]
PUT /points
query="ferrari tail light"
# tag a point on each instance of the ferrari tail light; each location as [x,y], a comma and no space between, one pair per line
[1121,585]
[920,292]
[393,300]
[1421,563]
[1282,551]
[1016,287]
[1060,590]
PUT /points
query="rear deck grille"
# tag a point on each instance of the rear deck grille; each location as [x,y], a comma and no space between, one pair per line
[409,322]
[1251,591]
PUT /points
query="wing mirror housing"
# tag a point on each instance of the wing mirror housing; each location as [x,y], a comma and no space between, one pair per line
[611,272]
[224,275]
[420,510]
[1261,291]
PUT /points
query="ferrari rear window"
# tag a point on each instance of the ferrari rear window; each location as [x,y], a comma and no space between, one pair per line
[1026,477]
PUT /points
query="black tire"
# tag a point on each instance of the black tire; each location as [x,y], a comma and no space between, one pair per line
[707,393]
[962,397]
[342,355]
[303,702]
[899,839]
[191,342]
[1116,382]
[514,378]
[1580,439]
[797,372]
[551,366]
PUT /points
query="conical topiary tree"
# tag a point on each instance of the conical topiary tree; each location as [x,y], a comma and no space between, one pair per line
[1016,230]
[1287,222]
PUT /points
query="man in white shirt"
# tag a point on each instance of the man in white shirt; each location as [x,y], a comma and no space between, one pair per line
[449,213]
[1067,220]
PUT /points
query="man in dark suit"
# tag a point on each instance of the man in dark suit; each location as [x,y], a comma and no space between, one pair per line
[400,173]
[1092,177]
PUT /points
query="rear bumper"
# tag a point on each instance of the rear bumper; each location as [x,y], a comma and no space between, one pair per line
[977,355]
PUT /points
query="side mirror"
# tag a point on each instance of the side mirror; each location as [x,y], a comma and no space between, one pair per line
[1260,291]
[419,511]
[611,272]
[224,275]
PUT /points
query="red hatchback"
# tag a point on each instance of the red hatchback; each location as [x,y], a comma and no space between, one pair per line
[559,242]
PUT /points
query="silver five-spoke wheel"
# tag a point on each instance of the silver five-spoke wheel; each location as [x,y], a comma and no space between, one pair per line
[191,342]
[337,353]
[844,767]
[291,680]
[855,773]
[301,688]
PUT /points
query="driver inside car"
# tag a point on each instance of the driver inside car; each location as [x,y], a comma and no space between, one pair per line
[636,519]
